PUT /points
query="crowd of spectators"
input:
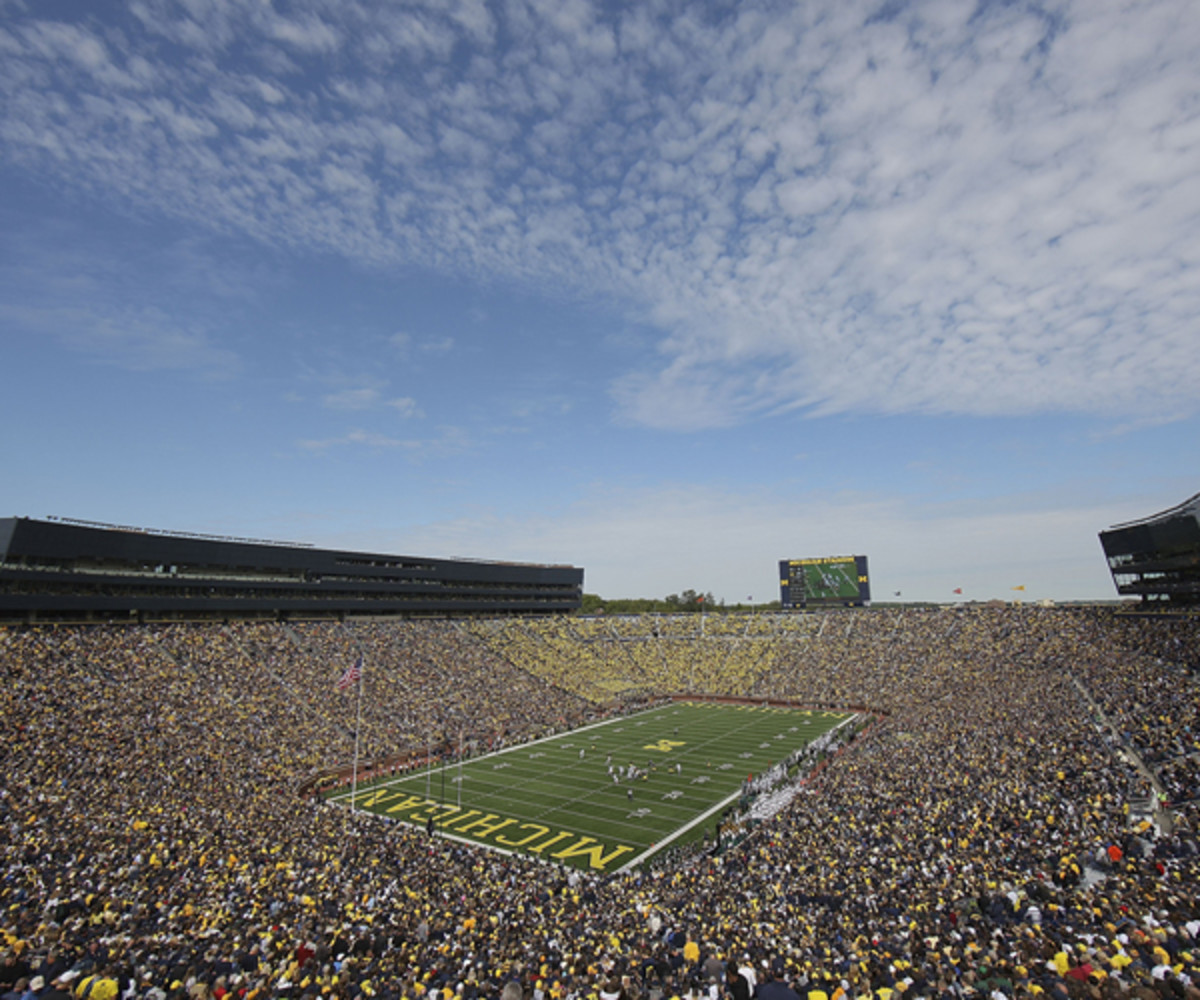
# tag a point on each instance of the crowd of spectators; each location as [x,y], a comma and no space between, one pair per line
[602,657]
[1147,695]
[974,842]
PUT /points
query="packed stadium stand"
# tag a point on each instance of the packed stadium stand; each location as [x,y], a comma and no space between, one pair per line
[1019,822]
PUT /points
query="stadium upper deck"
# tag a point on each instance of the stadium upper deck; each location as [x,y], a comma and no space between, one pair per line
[69,570]
[1157,558]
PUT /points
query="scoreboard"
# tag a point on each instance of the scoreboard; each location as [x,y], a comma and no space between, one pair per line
[825,581]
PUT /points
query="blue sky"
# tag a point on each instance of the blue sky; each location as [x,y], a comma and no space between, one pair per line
[669,291]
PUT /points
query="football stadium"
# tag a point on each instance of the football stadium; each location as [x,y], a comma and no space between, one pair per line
[257,770]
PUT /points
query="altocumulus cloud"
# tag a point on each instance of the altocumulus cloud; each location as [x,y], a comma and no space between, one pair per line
[927,207]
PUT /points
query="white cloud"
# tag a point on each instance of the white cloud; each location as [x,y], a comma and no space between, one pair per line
[406,406]
[840,208]
[362,398]
[405,343]
[448,440]
[358,436]
[309,34]
[146,339]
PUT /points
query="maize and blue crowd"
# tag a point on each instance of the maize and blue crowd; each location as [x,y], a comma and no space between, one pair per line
[976,842]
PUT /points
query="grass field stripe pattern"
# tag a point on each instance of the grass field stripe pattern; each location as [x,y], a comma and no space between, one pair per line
[556,798]
[687,827]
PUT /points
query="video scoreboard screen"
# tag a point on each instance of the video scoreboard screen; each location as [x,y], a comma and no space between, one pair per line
[828,580]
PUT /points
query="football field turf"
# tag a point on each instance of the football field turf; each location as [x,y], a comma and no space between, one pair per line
[556,799]
[831,580]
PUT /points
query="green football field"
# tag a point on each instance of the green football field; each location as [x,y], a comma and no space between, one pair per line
[557,800]
[832,579]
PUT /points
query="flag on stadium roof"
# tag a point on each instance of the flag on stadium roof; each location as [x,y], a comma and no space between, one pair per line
[958,590]
[351,676]
[1021,587]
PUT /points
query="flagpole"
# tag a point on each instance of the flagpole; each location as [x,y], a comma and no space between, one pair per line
[362,672]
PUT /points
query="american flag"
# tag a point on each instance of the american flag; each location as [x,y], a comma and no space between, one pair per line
[351,676]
